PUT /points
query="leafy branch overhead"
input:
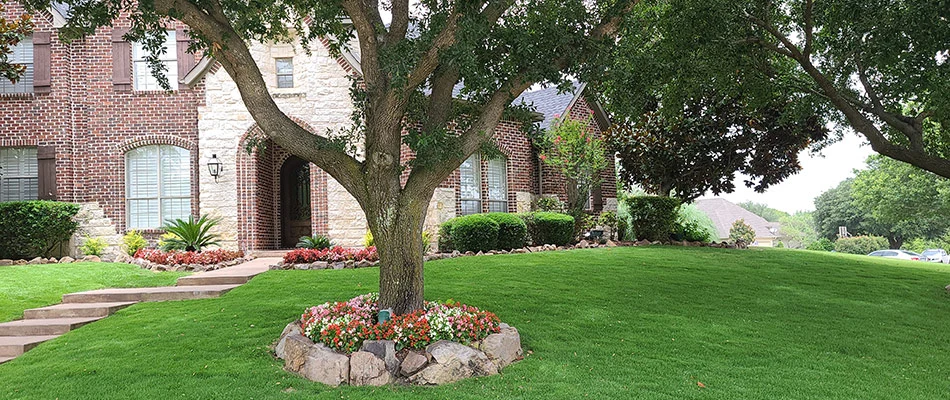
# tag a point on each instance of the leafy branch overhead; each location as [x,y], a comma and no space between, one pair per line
[11,33]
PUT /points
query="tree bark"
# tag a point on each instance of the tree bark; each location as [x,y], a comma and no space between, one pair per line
[398,237]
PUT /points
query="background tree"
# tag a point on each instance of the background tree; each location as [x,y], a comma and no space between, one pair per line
[409,69]
[835,207]
[572,149]
[763,210]
[741,231]
[797,231]
[907,201]
[11,33]
[878,67]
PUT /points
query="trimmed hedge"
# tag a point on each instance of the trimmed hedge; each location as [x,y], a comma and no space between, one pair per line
[861,244]
[445,236]
[652,217]
[512,231]
[31,229]
[476,232]
[549,228]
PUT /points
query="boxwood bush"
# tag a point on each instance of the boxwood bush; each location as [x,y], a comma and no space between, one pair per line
[549,228]
[652,217]
[512,231]
[445,236]
[861,244]
[476,232]
[31,229]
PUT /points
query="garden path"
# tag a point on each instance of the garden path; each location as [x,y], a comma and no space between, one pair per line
[77,309]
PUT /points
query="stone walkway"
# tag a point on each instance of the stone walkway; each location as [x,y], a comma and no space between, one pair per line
[41,324]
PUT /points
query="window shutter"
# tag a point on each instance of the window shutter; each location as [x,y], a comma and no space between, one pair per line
[41,62]
[46,166]
[598,199]
[186,60]
[121,61]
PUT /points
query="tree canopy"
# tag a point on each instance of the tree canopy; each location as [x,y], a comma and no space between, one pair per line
[878,67]
[409,70]
[763,210]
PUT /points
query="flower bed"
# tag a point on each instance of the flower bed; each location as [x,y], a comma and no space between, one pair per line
[207,260]
[334,254]
[341,343]
[344,326]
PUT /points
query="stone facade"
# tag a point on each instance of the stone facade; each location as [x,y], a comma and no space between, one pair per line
[88,122]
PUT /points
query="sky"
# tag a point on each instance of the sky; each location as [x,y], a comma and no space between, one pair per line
[819,173]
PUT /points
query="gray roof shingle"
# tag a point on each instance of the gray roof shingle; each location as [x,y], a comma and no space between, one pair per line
[724,213]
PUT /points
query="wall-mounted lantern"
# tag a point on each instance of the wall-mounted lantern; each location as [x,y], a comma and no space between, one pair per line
[214,167]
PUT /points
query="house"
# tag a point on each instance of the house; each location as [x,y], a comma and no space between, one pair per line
[724,213]
[89,124]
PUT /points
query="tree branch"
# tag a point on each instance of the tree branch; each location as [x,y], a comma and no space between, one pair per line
[366,20]
[430,60]
[400,22]
[235,57]
[809,27]
[914,135]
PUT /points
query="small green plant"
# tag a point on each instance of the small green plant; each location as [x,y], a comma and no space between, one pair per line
[609,220]
[318,242]
[652,217]
[368,240]
[165,241]
[132,242]
[445,236]
[741,231]
[426,241]
[551,204]
[861,244]
[822,244]
[191,235]
[93,246]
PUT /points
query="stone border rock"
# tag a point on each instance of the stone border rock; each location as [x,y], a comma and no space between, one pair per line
[377,363]
[182,267]
[52,260]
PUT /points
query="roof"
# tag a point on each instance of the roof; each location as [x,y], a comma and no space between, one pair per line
[550,102]
[724,213]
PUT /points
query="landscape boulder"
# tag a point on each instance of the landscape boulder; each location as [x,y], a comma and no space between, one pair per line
[502,348]
[366,369]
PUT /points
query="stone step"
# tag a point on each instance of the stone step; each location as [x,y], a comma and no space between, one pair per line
[236,275]
[76,310]
[43,327]
[12,346]
[269,253]
[148,294]
[5,359]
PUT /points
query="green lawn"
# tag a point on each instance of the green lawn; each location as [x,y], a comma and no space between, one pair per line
[607,323]
[29,286]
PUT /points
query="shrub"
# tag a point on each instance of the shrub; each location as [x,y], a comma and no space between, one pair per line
[334,254]
[652,217]
[368,240]
[551,204]
[314,242]
[476,232]
[191,235]
[426,241]
[445,236]
[860,244]
[822,244]
[741,231]
[549,228]
[33,228]
[344,326]
[918,245]
[92,246]
[512,231]
[132,242]
[609,220]
[209,257]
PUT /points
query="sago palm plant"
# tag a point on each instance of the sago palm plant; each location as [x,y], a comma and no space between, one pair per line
[190,235]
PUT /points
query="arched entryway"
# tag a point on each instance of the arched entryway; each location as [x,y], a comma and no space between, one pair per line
[295,204]
[280,198]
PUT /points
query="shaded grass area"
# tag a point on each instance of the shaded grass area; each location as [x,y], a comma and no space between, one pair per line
[604,323]
[29,286]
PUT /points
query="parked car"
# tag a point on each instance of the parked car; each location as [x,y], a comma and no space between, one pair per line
[935,255]
[898,254]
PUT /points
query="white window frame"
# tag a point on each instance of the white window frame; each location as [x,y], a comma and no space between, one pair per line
[159,191]
[21,54]
[142,78]
[27,173]
[467,202]
[284,74]
[497,186]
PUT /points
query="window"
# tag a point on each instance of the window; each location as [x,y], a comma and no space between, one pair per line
[142,75]
[158,185]
[285,72]
[470,183]
[22,54]
[497,185]
[19,177]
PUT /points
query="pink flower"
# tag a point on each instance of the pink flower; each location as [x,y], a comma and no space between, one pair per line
[557,115]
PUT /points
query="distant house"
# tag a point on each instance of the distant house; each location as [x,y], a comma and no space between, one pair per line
[724,213]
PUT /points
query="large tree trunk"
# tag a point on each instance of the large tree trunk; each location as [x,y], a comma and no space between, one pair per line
[397,231]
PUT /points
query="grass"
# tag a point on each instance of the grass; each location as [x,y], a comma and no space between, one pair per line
[29,286]
[604,323]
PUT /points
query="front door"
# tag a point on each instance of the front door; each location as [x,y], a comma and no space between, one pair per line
[294,201]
